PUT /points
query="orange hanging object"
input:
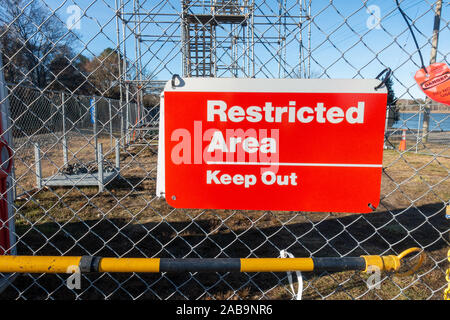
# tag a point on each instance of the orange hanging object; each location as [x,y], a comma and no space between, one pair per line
[435,84]
[402,146]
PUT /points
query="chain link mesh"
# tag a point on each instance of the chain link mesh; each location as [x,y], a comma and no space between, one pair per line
[57,57]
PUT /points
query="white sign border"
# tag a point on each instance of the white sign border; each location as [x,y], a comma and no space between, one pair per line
[253,85]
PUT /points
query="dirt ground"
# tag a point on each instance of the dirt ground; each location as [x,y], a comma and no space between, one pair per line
[128,220]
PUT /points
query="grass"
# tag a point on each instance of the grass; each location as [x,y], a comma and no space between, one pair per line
[128,220]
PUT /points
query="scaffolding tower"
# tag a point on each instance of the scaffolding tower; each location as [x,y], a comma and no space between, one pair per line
[207,38]
[217,36]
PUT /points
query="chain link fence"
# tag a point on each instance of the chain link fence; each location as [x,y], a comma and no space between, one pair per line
[37,113]
[58,56]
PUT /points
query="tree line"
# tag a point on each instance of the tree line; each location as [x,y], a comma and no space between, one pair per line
[38,50]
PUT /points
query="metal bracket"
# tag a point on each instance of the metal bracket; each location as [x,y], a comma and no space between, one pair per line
[180,81]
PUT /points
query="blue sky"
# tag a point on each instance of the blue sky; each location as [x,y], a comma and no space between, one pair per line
[342,44]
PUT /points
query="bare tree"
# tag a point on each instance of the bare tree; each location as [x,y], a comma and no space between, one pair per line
[103,73]
[32,36]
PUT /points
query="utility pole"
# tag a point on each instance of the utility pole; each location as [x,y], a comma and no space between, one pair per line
[434,44]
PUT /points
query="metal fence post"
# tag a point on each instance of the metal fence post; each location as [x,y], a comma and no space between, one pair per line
[94,125]
[122,119]
[110,123]
[64,138]
[100,167]
[117,153]
[37,161]
[127,127]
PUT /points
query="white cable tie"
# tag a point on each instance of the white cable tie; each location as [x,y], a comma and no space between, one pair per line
[298,295]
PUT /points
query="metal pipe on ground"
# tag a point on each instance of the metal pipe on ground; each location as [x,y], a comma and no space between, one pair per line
[55,264]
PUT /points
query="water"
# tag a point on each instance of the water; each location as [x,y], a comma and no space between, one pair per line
[438,121]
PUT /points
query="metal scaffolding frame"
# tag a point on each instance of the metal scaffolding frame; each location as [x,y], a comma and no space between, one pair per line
[215,38]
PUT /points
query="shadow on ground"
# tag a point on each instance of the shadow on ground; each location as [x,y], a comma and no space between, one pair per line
[351,235]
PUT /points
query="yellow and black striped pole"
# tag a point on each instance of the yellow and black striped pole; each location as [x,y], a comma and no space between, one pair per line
[55,264]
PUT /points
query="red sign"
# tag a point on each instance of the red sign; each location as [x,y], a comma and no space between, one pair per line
[260,144]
